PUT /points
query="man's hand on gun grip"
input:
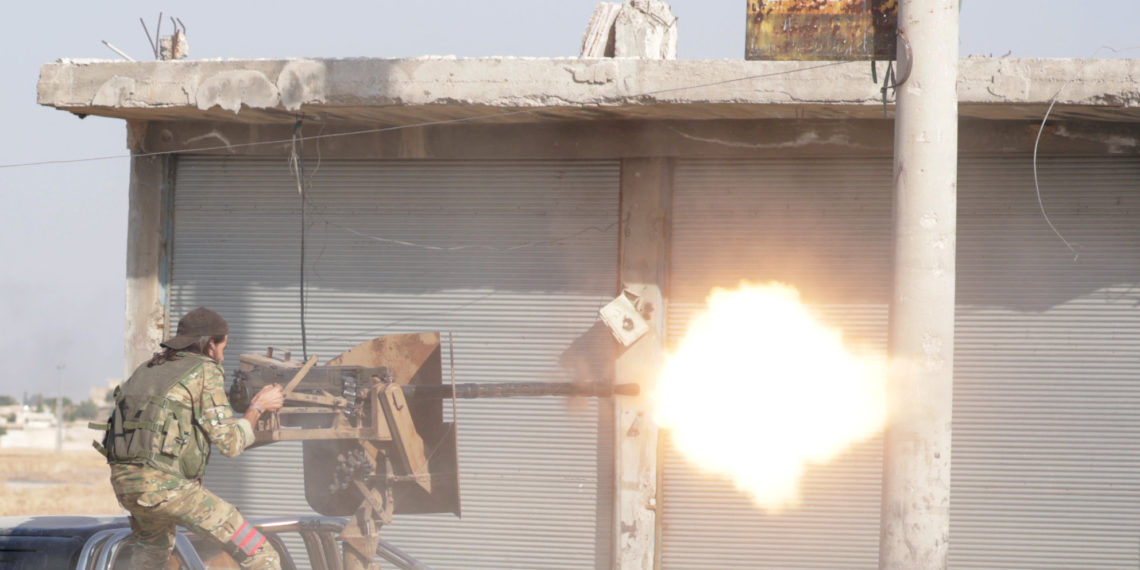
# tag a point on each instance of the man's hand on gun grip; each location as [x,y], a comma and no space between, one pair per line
[269,399]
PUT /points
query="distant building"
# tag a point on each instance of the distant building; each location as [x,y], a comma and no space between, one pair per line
[25,417]
[10,414]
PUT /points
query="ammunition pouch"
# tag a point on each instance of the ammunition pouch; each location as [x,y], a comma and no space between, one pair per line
[149,429]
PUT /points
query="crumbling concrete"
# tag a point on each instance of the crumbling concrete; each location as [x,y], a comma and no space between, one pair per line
[146,242]
[232,89]
[646,203]
[390,91]
[175,46]
[645,29]
[599,38]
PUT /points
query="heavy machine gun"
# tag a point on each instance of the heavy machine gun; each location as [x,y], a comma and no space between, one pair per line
[375,440]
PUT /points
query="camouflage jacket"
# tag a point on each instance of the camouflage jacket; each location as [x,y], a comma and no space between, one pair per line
[203,390]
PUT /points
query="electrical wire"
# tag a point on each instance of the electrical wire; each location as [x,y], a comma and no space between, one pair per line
[304,188]
[496,115]
[1037,143]
[297,164]
[289,140]
[442,122]
[1037,183]
[297,168]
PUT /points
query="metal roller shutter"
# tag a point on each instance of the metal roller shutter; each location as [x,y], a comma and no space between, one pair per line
[1046,467]
[1047,396]
[825,227]
[512,257]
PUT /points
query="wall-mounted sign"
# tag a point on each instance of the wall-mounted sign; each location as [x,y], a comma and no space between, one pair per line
[821,29]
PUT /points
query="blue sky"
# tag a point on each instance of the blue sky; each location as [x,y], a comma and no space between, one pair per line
[63,227]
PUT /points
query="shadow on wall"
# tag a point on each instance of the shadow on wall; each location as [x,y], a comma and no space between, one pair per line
[1009,256]
[826,227]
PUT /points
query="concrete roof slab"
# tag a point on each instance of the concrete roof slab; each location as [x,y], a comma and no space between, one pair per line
[507,90]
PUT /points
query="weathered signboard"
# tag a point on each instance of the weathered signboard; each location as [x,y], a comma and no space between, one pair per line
[821,29]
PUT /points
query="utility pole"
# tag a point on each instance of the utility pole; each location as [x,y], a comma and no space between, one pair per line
[915,519]
[59,408]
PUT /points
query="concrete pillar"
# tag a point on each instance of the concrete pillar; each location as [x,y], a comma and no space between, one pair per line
[646,197]
[145,246]
[916,457]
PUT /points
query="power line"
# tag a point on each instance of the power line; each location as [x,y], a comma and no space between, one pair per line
[495,115]
[297,164]
[1037,143]
[270,142]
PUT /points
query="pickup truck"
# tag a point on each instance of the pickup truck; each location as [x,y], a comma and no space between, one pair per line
[92,543]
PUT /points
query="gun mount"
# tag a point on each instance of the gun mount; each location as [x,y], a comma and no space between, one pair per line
[372,428]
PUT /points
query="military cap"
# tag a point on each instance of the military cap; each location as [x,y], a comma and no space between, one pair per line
[196,324]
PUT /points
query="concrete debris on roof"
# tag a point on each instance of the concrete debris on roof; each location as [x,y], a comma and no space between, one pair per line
[175,46]
[644,29]
[599,38]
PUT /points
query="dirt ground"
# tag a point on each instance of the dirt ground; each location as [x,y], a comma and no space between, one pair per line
[43,482]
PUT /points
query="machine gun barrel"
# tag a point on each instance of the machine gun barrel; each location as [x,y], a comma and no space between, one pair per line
[373,429]
[520,389]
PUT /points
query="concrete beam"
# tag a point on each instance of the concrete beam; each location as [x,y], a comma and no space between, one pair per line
[145,313]
[622,139]
[646,198]
[428,89]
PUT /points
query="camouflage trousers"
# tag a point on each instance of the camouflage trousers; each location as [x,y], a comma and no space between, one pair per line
[155,516]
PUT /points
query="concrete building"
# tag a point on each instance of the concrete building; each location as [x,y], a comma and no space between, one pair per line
[505,200]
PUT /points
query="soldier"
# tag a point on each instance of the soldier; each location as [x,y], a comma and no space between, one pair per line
[158,442]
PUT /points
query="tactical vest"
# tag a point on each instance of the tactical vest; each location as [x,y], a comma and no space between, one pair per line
[146,428]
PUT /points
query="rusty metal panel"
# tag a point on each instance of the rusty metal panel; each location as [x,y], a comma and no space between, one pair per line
[821,29]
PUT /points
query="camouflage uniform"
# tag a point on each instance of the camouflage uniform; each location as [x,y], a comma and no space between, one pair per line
[159,500]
